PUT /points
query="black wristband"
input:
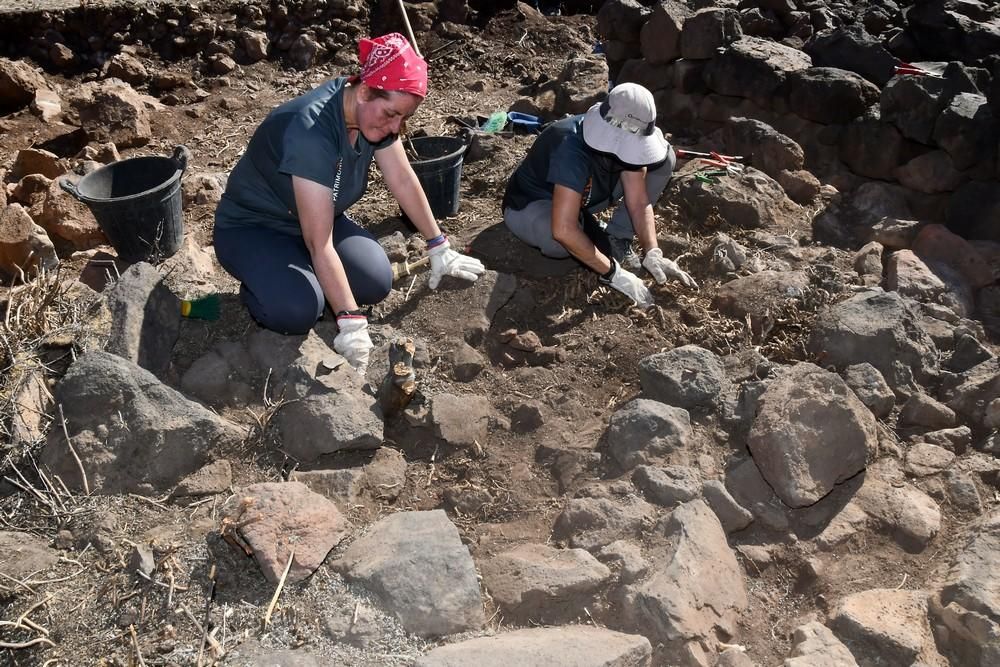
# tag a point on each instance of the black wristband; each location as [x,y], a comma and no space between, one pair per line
[606,277]
[360,312]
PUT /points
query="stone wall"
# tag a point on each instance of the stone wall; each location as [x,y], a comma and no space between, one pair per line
[824,73]
[84,37]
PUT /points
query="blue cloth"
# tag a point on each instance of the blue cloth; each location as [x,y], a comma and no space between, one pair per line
[305,137]
[279,285]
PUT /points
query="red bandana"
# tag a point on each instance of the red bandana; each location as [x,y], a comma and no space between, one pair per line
[389,63]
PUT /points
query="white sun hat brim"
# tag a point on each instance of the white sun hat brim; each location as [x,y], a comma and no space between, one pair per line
[631,148]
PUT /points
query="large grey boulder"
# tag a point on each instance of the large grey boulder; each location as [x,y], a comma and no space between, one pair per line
[851,48]
[577,645]
[872,148]
[621,20]
[905,513]
[811,433]
[538,583]
[849,219]
[879,328]
[868,384]
[695,591]
[967,610]
[661,34]
[910,276]
[913,104]
[582,83]
[974,390]
[688,376]
[145,318]
[829,95]
[762,146]
[966,129]
[762,297]
[326,423]
[131,432]
[755,200]
[754,68]
[111,110]
[962,31]
[706,31]
[885,625]
[643,429]
[18,84]
[416,564]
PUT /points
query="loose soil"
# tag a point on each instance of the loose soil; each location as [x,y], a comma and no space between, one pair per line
[93,602]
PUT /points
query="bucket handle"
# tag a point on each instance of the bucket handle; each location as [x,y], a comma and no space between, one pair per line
[180,157]
[69,187]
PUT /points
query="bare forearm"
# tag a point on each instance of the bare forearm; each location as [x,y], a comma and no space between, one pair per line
[414,203]
[644,224]
[332,277]
[580,246]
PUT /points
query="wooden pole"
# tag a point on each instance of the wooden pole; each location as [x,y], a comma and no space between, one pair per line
[409,30]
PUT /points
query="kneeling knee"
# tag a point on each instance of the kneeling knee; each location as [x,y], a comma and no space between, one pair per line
[289,317]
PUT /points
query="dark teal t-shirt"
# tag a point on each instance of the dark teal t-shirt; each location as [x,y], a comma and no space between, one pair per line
[305,137]
[560,157]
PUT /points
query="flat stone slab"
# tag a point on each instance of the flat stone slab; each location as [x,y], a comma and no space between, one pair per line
[571,646]
[416,564]
[284,516]
[885,625]
[544,584]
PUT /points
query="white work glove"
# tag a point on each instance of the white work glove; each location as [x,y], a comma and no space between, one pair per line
[448,262]
[660,267]
[630,285]
[353,342]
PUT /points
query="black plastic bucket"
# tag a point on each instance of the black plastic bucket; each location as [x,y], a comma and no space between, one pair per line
[438,165]
[137,203]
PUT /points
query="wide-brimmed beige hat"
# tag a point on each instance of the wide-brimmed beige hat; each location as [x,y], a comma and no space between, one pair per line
[625,125]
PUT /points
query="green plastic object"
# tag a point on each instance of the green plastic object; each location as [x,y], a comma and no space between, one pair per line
[496,122]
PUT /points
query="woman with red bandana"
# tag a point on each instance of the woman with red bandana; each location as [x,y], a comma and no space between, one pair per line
[281,227]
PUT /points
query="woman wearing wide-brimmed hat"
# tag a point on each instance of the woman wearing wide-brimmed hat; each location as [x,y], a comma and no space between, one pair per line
[584,164]
[281,227]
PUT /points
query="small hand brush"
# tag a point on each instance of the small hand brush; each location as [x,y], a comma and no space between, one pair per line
[400,269]
[205,308]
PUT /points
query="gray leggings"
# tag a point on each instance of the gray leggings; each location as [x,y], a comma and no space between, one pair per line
[533,223]
[279,285]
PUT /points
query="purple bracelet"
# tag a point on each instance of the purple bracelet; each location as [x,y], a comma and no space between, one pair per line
[436,241]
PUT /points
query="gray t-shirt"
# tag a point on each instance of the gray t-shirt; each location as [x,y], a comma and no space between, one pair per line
[305,137]
[560,157]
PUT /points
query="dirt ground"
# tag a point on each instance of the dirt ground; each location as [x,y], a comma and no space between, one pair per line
[93,607]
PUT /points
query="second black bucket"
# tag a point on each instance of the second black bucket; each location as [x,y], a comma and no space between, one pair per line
[438,165]
[137,203]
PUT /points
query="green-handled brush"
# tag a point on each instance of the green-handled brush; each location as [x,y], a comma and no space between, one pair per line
[205,308]
[495,123]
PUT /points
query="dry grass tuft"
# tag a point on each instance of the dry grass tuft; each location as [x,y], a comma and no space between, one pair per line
[35,318]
